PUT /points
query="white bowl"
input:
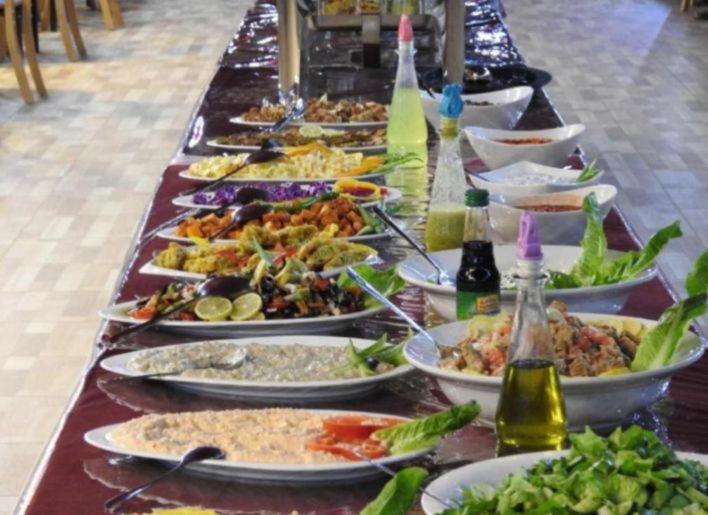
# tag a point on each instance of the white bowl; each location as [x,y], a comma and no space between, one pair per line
[449,486]
[507,107]
[541,179]
[563,227]
[599,402]
[496,154]
[609,298]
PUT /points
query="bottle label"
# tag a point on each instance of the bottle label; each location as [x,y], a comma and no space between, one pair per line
[470,304]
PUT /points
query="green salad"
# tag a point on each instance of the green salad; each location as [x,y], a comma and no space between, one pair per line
[630,471]
[593,268]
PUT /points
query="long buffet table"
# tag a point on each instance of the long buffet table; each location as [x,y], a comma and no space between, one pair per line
[76,478]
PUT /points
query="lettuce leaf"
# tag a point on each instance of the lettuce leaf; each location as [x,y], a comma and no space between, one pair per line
[589,172]
[424,433]
[587,271]
[386,352]
[659,346]
[634,262]
[387,281]
[398,495]
[697,279]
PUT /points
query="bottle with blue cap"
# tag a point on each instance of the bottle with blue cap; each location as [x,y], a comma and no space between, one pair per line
[446,215]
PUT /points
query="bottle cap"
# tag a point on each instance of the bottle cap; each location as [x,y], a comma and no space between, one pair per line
[451,104]
[405,29]
[476,198]
[528,245]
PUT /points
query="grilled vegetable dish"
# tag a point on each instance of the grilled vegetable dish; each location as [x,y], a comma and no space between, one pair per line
[321,110]
[295,137]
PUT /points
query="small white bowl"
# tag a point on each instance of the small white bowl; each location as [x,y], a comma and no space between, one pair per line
[496,154]
[507,107]
[562,227]
[599,402]
[540,179]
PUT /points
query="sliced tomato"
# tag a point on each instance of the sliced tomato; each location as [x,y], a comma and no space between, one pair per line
[316,445]
[355,427]
[144,313]
[352,451]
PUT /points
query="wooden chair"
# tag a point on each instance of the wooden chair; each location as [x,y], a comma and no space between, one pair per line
[112,17]
[67,24]
[12,44]
[686,5]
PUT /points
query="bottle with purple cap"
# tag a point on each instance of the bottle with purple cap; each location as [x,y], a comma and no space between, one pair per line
[531,410]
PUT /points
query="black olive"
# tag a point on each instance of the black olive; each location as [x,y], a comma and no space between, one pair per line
[372,362]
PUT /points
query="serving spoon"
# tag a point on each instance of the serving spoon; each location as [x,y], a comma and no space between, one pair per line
[296,111]
[369,288]
[443,278]
[192,456]
[222,286]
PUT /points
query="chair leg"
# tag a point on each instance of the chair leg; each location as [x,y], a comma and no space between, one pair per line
[45,9]
[684,5]
[13,48]
[63,23]
[74,26]
[107,12]
[117,15]
[30,50]
[3,39]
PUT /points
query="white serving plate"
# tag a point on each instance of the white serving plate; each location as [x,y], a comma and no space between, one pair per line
[448,487]
[496,154]
[266,472]
[394,196]
[609,298]
[272,391]
[238,120]
[185,175]
[508,106]
[169,234]
[563,227]
[599,402]
[376,149]
[248,328]
[151,268]
[498,181]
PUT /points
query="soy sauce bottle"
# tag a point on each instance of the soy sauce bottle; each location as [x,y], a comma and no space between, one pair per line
[531,411]
[478,281]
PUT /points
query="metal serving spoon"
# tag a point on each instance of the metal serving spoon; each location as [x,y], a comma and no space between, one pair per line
[369,288]
[296,111]
[443,277]
[192,456]
[218,286]
[232,362]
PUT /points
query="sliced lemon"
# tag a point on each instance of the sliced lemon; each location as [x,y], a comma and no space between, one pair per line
[258,316]
[633,327]
[213,309]
[246,306]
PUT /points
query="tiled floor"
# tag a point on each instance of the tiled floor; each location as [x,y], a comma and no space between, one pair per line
[76,170]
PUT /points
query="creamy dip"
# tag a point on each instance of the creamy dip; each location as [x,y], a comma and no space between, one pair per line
[276,435]
[533,179]
[272,363]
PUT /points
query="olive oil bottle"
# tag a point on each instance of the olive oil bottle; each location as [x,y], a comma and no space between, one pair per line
[531,411]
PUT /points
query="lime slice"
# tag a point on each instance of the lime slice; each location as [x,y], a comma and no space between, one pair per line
[633,327]
[311,131]
[246,306]
[616,371]
[213,309]
[258,316]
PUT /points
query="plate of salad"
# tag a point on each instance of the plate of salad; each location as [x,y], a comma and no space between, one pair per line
[288,302]
[588,278]
[284,445]
[365,193]
[630,471]
[279,368]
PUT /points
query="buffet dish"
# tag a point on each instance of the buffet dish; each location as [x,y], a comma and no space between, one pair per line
[550,147]
[526,178]
[310,163]
[305,368]
[495,110]
[590,401]
[365,193]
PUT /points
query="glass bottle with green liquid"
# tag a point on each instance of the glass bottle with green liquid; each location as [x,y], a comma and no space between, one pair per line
[531,411]
[407,130]
[446,214]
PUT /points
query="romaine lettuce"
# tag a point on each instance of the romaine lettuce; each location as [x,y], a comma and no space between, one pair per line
[386,281]
[398,494]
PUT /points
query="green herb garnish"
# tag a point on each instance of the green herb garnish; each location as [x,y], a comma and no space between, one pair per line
[589,172]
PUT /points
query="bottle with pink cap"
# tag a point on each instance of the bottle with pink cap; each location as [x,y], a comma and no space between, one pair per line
[531,410]
[407,130]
